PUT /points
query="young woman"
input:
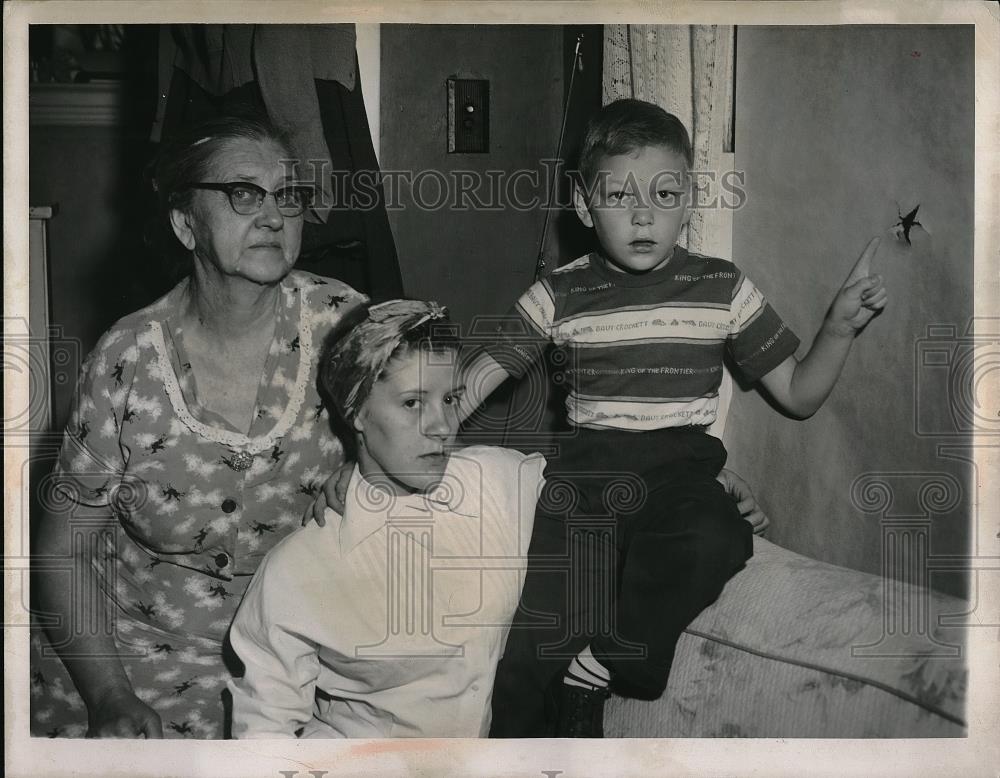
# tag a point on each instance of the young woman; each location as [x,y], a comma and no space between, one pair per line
[389,621]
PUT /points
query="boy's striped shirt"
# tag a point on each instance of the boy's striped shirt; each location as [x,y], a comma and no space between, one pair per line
[646,351]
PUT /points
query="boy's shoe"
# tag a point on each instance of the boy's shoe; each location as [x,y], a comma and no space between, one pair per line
[572,711]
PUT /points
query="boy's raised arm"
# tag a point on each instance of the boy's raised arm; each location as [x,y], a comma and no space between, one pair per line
[801,387]
[482,376]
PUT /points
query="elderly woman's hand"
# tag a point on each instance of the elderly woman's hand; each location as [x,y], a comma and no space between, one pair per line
[120,714]
[745,501]
[333,494]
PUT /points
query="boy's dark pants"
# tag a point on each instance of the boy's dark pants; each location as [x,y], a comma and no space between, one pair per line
[633,538]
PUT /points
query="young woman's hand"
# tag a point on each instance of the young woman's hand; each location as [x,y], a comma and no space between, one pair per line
[123,715]
[745,501]
[333,494]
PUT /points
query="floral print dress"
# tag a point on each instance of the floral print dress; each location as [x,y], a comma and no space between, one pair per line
[197,504]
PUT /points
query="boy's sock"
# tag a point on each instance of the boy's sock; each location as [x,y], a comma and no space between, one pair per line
[585,671]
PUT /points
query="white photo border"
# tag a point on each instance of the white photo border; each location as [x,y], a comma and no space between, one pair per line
[976,755]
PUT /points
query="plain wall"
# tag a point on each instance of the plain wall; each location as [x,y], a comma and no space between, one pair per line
[833,126]
[474,261]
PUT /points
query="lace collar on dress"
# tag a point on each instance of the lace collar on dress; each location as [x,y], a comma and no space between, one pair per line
[241,443]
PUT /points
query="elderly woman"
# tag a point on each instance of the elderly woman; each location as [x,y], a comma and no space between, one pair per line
[389,621]
[197,439]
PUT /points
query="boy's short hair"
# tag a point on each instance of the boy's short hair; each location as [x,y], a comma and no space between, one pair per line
[625,125]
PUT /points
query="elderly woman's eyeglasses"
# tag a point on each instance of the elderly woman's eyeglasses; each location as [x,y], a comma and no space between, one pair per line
[247,198]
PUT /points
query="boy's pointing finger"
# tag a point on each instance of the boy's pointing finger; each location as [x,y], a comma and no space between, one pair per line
[863,266]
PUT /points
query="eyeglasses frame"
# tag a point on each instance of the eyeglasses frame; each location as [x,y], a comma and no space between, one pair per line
[227,188]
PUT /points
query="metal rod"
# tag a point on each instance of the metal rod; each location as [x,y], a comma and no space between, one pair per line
[631,63]
[540,261]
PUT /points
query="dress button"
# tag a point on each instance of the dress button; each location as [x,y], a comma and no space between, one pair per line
[221,560]
[228,505]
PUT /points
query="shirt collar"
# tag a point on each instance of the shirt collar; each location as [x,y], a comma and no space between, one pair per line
[622,279]
[367,509]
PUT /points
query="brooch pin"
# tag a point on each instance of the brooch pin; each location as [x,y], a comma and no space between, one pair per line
[240,461]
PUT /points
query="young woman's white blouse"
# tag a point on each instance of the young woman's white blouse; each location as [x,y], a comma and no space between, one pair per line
[390,620]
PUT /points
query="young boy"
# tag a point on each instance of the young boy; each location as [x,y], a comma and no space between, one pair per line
[649,537]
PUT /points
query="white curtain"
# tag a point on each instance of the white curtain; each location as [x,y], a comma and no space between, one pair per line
[689,71]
